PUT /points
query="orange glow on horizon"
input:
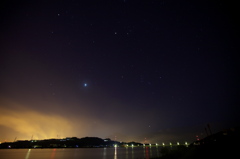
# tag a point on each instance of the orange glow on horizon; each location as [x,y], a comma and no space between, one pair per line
[18,122]
[35,124]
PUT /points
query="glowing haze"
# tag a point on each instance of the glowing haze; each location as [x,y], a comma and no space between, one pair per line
[25,123]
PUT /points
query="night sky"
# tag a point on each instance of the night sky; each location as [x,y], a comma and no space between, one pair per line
[153,70]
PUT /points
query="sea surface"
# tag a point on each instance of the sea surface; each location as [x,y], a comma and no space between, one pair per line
[82,153]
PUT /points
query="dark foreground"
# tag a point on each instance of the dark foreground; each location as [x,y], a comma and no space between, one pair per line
[224,144]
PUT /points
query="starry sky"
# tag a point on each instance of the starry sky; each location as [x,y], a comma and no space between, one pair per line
[150,70]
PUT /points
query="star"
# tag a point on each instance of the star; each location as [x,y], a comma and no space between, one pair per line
[85,84]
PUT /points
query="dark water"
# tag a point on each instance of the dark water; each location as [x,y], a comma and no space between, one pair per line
[82,153]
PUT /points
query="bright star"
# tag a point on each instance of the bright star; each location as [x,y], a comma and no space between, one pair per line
[85,84]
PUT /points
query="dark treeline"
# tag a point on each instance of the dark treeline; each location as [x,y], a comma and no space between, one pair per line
[72,142]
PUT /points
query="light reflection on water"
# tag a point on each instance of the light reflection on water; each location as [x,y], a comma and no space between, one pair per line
[146,153]
[28,153]
[126,152]
[115,153]
[104,153]
[132,152]
[89,153]
[53,154]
